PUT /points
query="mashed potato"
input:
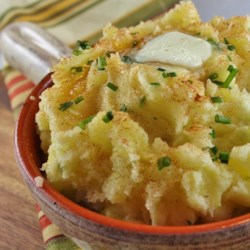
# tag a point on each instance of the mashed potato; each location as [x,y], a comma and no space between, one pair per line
[151,142]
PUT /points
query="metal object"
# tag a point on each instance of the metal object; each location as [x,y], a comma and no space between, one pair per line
[31,50]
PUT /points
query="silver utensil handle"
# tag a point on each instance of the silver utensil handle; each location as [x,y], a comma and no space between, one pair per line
[31,49]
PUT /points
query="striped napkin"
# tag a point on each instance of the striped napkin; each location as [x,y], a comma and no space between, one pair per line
[69,21]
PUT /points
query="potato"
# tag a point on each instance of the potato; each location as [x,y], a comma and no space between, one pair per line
[146,147]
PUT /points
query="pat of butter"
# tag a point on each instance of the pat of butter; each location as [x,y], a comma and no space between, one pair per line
[176,48]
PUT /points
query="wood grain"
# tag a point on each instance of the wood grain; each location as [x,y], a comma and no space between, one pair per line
[18,219]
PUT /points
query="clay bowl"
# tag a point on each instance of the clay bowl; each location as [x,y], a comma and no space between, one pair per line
[91,230]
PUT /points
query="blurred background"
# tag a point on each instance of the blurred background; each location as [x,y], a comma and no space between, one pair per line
[226,8]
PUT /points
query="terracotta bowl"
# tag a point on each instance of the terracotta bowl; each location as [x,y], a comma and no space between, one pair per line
[91,230]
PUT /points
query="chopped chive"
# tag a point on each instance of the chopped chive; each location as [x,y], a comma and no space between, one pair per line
[163,162]
[82,124]
[123,108]
[231,47]
[219,83]
[76,52]
[108,117]
[142,101]
[225,40]
[210,40]
[233,72]
[78,99]
[230,68]
[216,99]
[101,62]
[214,43]
[224,157]
[112,86]
[215,158]
[168,74]
[134,33]
[155,84]
[213,76]
[65,105]
[229,58]
[161,69]
[214,150]
[83,44]
[76,69]
[127,59]
[212,133]
[222,119]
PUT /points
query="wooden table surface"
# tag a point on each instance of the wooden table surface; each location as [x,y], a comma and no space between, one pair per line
[19,228]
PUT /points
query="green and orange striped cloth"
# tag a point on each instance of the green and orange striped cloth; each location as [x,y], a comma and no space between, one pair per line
[69,21]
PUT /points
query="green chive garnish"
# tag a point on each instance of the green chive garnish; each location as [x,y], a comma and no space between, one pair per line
[225,40]
[78,99]
[127,59]
[215,158]
[212,133]
[229,58]
[213,76]
[214,43]
[101,62]
[161,69]
[216,99]
[230,68]
[214,150]
[233,72]
[83,45]
[77,52]
[155,84]
[112,86]
[108,117]
[163,162]
[142,101]
[65,105]
[219,83]
[82,124]
[76,69]
[211,40]
[123,108]
[222,119]
[231,47]
[169,74]
[224,157]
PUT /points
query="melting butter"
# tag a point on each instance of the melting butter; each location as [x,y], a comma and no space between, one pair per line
[175,48]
